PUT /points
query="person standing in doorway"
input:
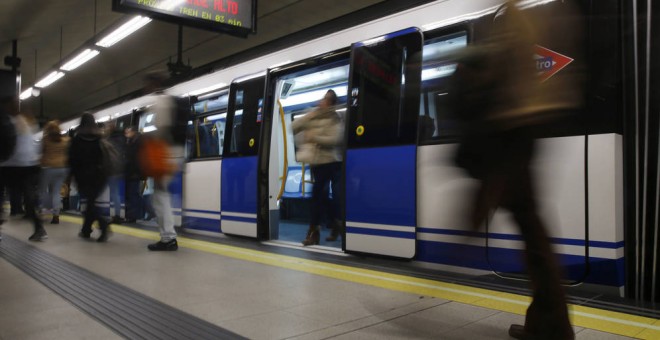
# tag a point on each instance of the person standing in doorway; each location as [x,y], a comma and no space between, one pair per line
[115,181]
[319,135]
[132,176]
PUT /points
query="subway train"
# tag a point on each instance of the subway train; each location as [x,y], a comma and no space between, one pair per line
[404,196]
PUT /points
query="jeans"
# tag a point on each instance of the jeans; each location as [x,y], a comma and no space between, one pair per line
[132,194]
[324,175]
[114,183]
[49,188]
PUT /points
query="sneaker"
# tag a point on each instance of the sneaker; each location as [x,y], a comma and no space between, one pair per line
[39,235]
[83,235]
[171,245]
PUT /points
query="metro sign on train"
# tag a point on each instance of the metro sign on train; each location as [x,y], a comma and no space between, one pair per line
[549,62]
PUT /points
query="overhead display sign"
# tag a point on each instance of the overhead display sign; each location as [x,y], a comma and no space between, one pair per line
[236,17]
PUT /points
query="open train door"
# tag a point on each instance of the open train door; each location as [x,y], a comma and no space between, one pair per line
[238,180]
[380,179]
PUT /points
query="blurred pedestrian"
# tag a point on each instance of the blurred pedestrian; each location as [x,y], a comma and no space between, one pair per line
[319,135]
[86,163]
[116,180]
[21,170]
[165,120]
[496,93]
[54,168]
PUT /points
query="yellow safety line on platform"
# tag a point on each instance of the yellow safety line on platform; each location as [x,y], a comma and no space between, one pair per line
[592,318]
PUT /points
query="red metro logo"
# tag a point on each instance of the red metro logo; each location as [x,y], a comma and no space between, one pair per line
[549,62]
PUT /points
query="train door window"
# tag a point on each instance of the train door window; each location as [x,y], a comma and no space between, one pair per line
[436,121]
[297,94]
[209,125]
[247,118]
[383,96]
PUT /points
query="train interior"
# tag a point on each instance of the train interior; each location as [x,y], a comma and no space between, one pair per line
[297,95]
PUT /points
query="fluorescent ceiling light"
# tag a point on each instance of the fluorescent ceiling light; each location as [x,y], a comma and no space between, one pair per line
[51,78]
[207,89]
[26,94]
[80,59]
[123,31]
[149,129]
[438,72]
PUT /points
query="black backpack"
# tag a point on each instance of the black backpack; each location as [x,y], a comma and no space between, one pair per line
[7,137]
[180,122]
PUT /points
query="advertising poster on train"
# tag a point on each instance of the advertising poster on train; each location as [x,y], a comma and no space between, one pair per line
[236,17]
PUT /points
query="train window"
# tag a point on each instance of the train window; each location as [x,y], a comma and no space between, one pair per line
[246,110]
[383,92]
[436,121]
[209,127]
[209,135]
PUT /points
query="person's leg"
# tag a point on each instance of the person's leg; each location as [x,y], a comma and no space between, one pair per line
[57,180]
[95,215]
[43,192]
[14,187]
[321,177]
[30,182]
[547,315]
[115,198]
[89,213]
[336,204]
[164,216]
[132,199]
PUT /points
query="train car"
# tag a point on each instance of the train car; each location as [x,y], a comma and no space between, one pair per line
[404,196]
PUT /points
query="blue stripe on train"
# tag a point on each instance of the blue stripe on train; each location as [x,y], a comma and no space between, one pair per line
[239,184]
[515,237]
[602,271]
[205,224]
[380,185]
[380,232]
[239,219]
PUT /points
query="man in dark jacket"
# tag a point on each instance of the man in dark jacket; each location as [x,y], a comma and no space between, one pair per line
[86,163]
[132,175]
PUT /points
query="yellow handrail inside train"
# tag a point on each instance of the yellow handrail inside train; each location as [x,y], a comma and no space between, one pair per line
[285,170]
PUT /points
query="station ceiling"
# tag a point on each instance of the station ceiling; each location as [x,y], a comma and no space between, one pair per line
[50,31]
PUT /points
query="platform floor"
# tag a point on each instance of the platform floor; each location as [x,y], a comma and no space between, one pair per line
[247,293]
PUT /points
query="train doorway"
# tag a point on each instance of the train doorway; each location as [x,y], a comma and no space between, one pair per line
[298,91]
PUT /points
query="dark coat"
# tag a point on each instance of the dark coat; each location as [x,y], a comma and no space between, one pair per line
[132,165]
[86,162]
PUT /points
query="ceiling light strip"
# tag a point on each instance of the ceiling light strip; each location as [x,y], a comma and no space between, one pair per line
[123,31]
[51,78]
[80,59]
[26,94]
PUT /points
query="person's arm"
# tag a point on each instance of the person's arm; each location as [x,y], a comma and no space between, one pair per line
[330,136]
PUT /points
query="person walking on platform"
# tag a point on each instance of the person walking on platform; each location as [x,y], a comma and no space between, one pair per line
[319,135]
[86,163]
[54,168]
[21,170]
[165,109]
[496,92]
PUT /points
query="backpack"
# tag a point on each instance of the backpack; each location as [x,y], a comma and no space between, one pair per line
[7,137]
[179,126]
[154,158]
[111,159]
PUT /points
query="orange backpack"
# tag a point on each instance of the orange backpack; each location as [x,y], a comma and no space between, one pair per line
[154,158]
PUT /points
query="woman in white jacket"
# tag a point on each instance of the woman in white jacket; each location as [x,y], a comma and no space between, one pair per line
[319,135]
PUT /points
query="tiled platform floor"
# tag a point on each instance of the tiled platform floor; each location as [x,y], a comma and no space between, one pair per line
[255,300]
